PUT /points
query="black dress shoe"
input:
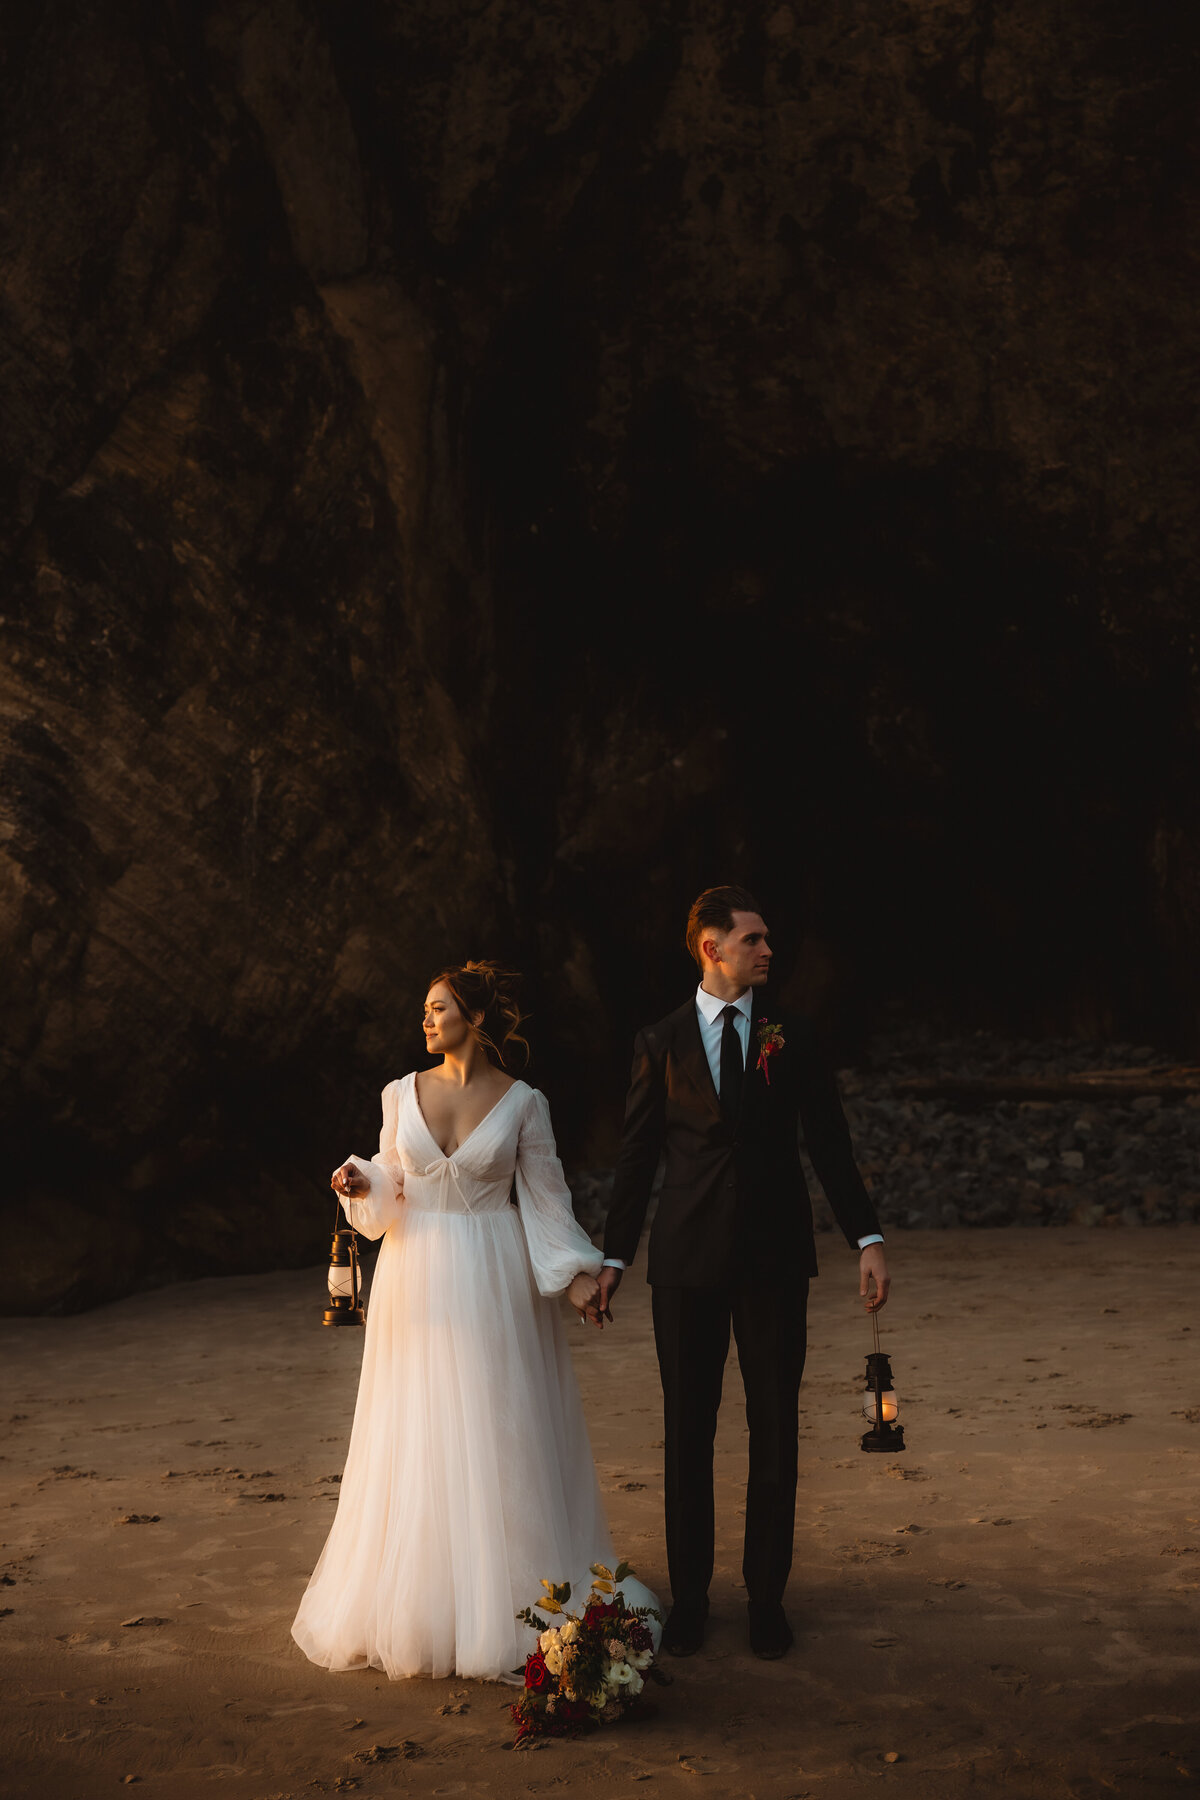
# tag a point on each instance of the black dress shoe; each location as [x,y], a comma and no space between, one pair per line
[770,1634]
[683,1632]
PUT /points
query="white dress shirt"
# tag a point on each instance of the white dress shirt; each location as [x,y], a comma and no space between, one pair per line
[711,1014]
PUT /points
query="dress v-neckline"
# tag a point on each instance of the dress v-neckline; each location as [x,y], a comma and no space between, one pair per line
[448,1155]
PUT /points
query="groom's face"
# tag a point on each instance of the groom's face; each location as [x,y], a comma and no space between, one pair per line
[744,953]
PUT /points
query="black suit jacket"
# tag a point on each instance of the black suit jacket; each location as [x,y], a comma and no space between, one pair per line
[734,1200]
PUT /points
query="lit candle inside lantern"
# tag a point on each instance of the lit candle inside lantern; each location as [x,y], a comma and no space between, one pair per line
[889,1406]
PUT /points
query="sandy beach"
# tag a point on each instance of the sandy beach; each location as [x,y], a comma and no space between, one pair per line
[1008,1607]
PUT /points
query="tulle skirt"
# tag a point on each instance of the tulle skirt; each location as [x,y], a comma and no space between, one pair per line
[469,1475]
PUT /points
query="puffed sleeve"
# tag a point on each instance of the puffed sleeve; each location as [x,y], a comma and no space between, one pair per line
[559,1247]
[375,1211]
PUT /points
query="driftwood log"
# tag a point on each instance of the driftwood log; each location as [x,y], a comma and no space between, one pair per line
[1088,1084]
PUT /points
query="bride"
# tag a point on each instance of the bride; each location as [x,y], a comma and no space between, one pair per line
[469,1475]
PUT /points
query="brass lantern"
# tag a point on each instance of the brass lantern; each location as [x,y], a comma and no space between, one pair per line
[345,1286]
[880,1404]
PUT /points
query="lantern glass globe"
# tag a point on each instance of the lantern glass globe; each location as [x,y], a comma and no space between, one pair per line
[889,1408]
[341,1281]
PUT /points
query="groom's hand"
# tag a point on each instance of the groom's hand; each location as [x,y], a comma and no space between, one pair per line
[609,1280]
[872,1266]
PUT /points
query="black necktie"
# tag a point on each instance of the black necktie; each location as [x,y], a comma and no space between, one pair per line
[733,1068]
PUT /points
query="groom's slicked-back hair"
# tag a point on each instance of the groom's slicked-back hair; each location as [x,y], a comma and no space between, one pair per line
[713,910]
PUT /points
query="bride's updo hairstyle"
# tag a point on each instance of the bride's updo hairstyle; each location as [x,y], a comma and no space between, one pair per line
[484,987]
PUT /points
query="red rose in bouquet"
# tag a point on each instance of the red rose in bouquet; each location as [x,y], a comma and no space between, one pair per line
[537,1675]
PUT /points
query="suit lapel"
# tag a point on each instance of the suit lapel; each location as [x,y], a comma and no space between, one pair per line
[689,1052]
[754,1092]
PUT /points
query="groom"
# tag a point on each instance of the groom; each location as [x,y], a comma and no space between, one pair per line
[722,1085]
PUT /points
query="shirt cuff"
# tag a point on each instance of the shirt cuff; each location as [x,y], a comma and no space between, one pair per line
[614,1262]
[876,1237]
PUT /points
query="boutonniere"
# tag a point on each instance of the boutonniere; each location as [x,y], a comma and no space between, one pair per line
[770,1039]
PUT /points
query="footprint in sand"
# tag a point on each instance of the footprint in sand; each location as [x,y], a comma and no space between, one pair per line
[380,1753]
[867,1551]
[697,1765]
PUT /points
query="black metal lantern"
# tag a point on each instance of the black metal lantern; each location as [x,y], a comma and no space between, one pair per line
[880,1404]
[345,1288]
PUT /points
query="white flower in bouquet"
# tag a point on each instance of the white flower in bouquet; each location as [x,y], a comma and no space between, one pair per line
[640,1659]
[622,1676]
[570,1631]
[550,1645]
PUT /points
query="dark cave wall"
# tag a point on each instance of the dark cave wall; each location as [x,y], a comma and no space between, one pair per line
[851,428]
[472,475]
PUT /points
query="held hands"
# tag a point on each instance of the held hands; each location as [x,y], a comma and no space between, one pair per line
[583,1293]
[590,1295]
[608,1281]
[349,1181]
[872,1267]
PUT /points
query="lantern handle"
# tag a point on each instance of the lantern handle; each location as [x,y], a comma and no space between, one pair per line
[875,1328]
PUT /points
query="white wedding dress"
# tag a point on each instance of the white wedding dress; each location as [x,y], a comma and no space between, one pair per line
[469,1475]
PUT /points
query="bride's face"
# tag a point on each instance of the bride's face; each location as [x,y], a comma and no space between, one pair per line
[447,1027]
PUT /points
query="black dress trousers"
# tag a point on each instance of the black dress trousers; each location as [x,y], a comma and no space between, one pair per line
[768,1318]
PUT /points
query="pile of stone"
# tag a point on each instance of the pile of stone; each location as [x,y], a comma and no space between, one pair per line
[976,1159]
[954,1154]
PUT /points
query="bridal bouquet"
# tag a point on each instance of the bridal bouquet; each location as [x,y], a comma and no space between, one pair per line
[587,1670]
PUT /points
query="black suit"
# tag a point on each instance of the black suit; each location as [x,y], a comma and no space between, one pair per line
[731,1246]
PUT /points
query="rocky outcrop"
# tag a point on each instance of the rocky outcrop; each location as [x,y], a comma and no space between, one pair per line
[471,475]
[1128,1160]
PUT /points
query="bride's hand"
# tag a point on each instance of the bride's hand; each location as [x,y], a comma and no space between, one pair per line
[349,1181]
[582,1292]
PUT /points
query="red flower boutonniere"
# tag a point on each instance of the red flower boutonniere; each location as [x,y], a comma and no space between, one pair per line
[770,1040]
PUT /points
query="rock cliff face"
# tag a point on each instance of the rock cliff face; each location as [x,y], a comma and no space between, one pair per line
[472,474]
